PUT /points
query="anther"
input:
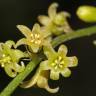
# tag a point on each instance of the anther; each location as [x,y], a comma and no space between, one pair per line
[32,41]
[2,65]
[56,67]
[60,58]
[56,61]
[3,55]
[31,35]
[62,62]
[53,64]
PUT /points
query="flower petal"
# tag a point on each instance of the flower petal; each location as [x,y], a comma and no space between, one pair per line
[44,65]
[43,83]
[16,55]
[24,30]
[66,72]
[10,43]
[32,81]
[1,44]
[6,50]
[54,75]
[52,10]
[19,68]
[21,42]
[49,51]
[67,28]
[9,70]
[51,90]
[35,48]
[73,61]
[45,32]
[44,20]
[59,19]
[36,28]
[62,50]
[66,14]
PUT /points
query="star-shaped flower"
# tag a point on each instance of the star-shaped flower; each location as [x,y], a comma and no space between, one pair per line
[35,39]
[58,62]
[55,22]
[9,58]
[41,80]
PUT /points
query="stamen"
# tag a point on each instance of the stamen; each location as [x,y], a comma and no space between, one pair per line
[9,62]
[60,65]
[31,35]
[35,38]
[2,65]
[35,35]
[3,55]
[32,40]
[60,58]
[38,36]
[56,61]
[53,64]
[56,67]
[62,62]
[36,42]
[39,41]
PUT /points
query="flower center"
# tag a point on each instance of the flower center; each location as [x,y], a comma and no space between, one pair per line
[58,63]
[5,59]
[35,38]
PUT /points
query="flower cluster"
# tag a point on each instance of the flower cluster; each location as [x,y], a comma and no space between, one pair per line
[56,63]
[9,58]
[56,24]
[40,37]
[38,41]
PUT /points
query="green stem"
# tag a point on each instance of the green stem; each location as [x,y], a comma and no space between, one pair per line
[58,40]
[76,34]
[19,78]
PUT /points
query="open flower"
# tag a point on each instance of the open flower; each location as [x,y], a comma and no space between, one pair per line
[34,39]
[9,58]
[55,22]
[41,80]
[58,62]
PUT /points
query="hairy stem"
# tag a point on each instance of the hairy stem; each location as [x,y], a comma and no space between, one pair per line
[58,40]
[76,34]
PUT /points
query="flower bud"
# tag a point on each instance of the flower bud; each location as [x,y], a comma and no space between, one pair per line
[87,13]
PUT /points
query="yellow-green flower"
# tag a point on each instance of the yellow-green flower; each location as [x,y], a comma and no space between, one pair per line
[58,62]
[41,80]
[55,22]
[9,58]
[34,38]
